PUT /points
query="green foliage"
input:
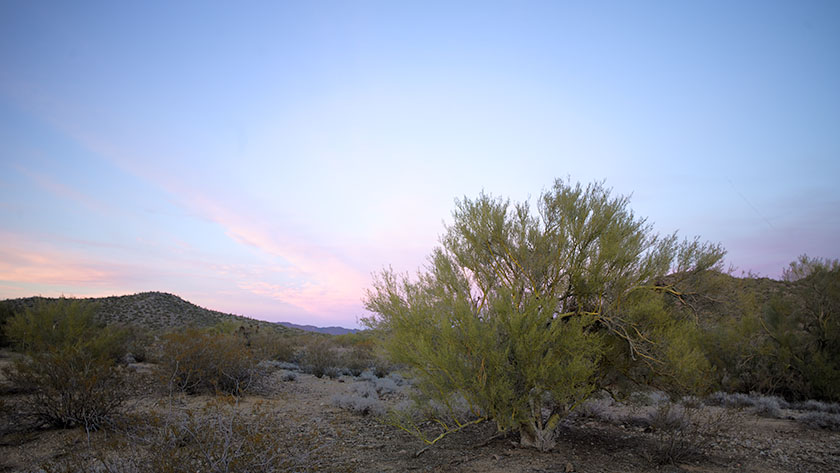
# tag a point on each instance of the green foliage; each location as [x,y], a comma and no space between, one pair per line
[524,315]
[70,370]
[6,313]
[194,360]
[804,332]
[785,340]
[61,324]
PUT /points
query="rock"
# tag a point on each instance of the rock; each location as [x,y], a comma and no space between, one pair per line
[568,468]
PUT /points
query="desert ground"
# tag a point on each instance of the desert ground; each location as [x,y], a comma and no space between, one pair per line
[324,434]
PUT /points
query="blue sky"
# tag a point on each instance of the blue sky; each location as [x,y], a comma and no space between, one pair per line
[265,158]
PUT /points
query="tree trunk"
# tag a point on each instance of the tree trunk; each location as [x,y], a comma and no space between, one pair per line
[543,439]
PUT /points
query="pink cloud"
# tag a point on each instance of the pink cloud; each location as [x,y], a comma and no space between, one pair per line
[317,280]
[29,262]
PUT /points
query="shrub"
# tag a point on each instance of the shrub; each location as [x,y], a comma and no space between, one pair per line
[362,399]
[819,406]
[821,420]
[288,376]
[600,409]
[385,385]
[70,371]
[70,387]
[268,345]
[64,323]
[767,406]
[320,358]
[194,360]
[359,404]
[526,314]
[357,359]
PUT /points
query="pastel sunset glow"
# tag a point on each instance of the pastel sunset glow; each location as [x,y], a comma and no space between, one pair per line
[265,158]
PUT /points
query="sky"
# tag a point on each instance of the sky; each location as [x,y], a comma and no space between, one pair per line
[266,158]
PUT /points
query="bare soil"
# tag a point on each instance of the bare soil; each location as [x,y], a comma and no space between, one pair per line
[353,442]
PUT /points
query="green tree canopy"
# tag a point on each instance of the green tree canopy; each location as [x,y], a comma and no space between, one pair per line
[525,313]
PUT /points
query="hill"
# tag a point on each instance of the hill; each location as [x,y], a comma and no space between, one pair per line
[311,328]
[153,310]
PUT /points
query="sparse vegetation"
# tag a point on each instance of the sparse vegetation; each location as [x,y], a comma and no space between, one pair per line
[76,373]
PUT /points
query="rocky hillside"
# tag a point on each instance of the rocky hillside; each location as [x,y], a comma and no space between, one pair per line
[153,310]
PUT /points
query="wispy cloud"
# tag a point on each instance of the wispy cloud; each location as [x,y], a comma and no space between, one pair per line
[25,261]
[317,280]
[65,192]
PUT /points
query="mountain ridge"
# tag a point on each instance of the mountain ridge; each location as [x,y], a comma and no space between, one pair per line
[331,330]
[154,310]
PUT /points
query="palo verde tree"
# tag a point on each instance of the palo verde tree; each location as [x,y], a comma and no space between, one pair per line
[523,314]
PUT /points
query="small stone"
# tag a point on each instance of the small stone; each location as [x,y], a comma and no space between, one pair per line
[569,468]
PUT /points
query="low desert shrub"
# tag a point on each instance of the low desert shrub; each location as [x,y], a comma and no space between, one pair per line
[385,385]
[817,406]
[70,387]
[599,409]
[268,345]
[821,420]
[320,358]
[288,376]
[357,359]
[193,361]
[768,406]
[682,431]
[362,399]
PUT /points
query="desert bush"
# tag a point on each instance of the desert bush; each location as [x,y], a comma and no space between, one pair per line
[288,376]
[70,372]
[64,323]
[6,313]
[681,431]
[385,385]
[818,406]
[320,358]
[599,409]
[724,399]
[768,406]
[362,399]
[526,314]
[356,359]
[821,420]
[268,345]
[70,387]
[195,360]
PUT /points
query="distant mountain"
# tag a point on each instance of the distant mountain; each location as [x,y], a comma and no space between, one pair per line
[153,310]
[312,328]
